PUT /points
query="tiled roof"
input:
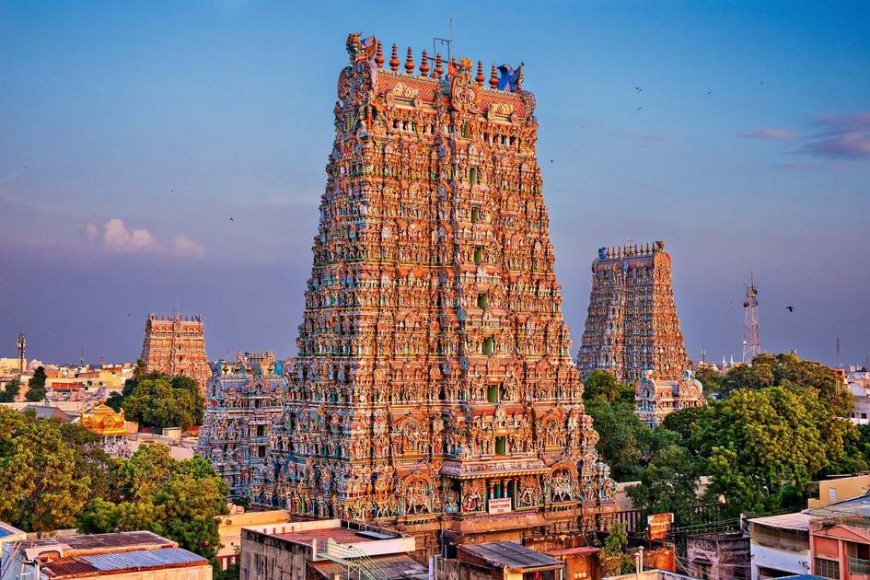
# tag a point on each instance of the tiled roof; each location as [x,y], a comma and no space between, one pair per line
[97,564]
[510,554]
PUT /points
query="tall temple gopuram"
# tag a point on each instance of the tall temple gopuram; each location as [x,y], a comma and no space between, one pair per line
[243,419]
[632,324]
[175,345]
[433,388]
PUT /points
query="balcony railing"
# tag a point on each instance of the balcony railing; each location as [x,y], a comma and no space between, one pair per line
[859,566]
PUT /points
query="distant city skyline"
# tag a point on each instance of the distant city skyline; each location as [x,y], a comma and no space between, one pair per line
[162,156]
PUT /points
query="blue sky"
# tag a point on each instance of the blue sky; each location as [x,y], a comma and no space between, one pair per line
[130,132]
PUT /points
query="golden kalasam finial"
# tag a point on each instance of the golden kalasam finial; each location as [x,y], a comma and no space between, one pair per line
[424,64]
[394,59]
[379,55]
[409,62]
[493,77]
[439,70]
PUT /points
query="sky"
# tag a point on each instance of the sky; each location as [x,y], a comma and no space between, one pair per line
[131,132]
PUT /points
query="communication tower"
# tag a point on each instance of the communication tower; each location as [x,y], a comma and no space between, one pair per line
[751,337]
[22,347]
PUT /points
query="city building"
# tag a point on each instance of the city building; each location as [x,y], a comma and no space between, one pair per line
[9,533]
[503,561]
[779,545]
[330,548]
[655,398]
[837,489]
[175,345]
[434,388]
[121,556]
[632,324]
[724,556]
[840,539]
[230,531]
[244,419]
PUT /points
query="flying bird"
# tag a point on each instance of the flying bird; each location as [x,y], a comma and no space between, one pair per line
[639,108]
[638,89]
[790,308]
[551,160]
[709,92]
[231,219]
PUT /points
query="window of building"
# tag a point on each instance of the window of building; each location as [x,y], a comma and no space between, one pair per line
[500,445]
[492,394]
[475,214]
[482,300]
[261,451]
[488,345]
[826,568]
[261,430]
[472,175]
[466,130]
[478,255]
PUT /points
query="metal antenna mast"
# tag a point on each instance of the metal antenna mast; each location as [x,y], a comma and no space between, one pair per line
[436,42]
[22,349]
[751,336]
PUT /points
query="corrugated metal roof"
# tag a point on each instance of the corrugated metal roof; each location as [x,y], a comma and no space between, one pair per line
[68,567]
[142,559]
[510,554]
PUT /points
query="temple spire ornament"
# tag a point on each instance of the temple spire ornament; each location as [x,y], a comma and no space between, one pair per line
[424,64]
[409,62]
[394,59]
[493,77]
[480,78]
[379,56]
[439,69]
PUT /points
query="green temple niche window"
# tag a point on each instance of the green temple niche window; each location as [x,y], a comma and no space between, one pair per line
[488,345]
[472,175]
[492,394]
[475,214]
[482,300]
[500,445]
[478,255]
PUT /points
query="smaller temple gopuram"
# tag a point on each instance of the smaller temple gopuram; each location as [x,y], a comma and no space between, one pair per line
[243,420]
[655,399]
[175,345]
[111,426]
[632,324]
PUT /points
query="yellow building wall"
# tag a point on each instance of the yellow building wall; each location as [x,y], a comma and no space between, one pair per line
[834,490]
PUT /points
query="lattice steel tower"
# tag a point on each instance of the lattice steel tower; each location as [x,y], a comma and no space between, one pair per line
[751,336]
[22,349]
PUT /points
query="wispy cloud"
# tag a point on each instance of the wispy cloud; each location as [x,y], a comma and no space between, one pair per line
[114,236]
[841,137]
[772,134]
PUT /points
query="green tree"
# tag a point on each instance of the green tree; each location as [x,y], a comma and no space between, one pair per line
[36,386]
[668,484]
[156,400]
[602,385]
[763,447]
[711,379]
[178,499]
[40,489]
[615,548]
[10,391]
[623,436]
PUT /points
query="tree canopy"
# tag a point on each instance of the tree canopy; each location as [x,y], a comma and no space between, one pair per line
[178,499]
[156,400]
[36,386]
[10,391]
[55,475]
